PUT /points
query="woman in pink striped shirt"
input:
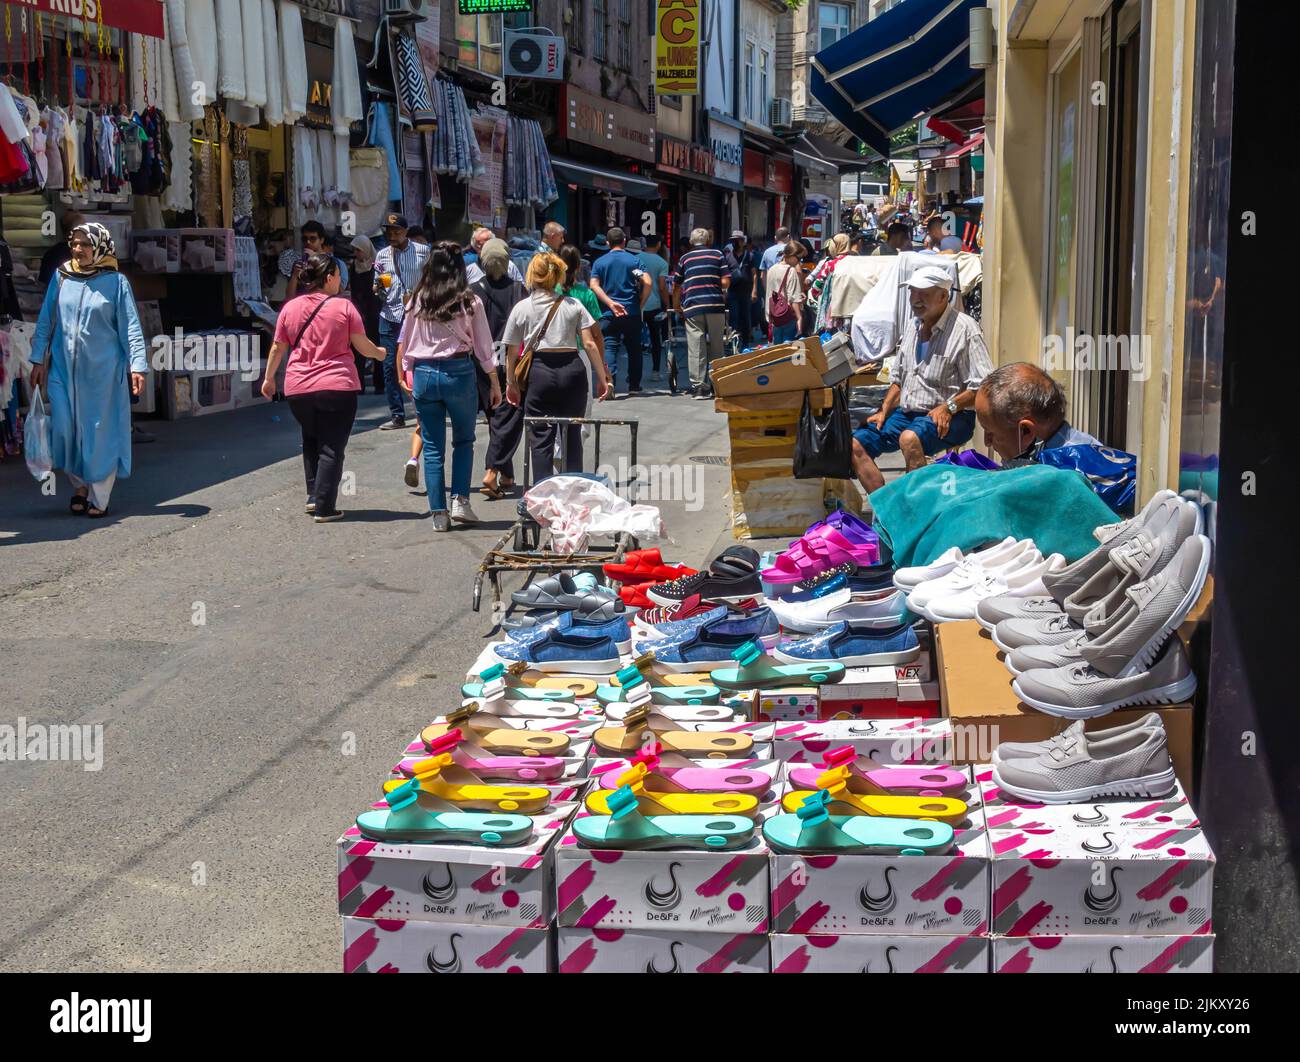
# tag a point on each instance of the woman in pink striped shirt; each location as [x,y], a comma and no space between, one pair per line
[444,328]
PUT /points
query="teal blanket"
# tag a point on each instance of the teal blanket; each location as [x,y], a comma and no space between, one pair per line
[923,513]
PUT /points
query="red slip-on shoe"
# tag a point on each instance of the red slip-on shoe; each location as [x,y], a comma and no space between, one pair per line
[634,596]
[639,570]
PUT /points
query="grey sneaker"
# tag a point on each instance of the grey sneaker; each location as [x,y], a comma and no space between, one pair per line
[1065,582]
[1147,552]
[441,521]
[461,513]
[1028,750]
[1156,608]
[1029,657]
[1105,533]
[1013,634]
[993,610]
[1134,763]
[1080,691]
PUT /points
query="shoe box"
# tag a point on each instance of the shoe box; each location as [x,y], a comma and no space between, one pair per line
[1109,882]
[660,951]
[780,367]
[975,688]
[787,705]
[1077,953]
[922,668]
[398,946]
[926,895]
[605,772]
[716,892]
[452,883]
[880,953]
[886,740]
[1007,813]
[878,693]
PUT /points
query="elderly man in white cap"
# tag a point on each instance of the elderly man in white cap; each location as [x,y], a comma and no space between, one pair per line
[930,403]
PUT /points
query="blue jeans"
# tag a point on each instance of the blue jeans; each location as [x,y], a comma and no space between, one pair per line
[446,388]
[388,333]
[885,440]
[623,334]
[786,333]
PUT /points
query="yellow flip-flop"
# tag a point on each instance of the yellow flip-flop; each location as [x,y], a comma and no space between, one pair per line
[441,777]
[661,802]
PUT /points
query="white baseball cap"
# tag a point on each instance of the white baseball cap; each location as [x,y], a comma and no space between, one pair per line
[930,277]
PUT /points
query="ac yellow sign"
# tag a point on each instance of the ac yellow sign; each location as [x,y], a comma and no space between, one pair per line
[677,53]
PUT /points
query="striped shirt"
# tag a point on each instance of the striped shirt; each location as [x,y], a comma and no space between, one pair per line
[405,271]
[954,360]
[699,272]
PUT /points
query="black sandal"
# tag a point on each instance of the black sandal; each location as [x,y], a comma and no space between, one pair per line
[96,514]
[80,504]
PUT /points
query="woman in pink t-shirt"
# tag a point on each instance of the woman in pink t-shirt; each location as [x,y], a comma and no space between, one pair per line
[319,331]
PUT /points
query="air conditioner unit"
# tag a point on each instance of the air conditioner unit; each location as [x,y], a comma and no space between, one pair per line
[403,9]
[535,53]
[780,112]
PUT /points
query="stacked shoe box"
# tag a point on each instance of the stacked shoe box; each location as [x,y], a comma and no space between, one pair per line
[1110,886]
[885,740]
[665,911]
[886,913]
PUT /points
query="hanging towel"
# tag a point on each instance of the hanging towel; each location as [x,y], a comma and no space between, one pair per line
[179,194]
[345,97]
[343,170]
[230,50]
[305,171]
[255,72]
[274,109]
[412,84]
[183,74]
[293,52]
[323,150]
[166,98]
[201,28]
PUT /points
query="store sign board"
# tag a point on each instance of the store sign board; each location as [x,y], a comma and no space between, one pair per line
[677,156]
[611,126]
[135,16]
[677,48]
[728,152]
[320,83]
[489,7]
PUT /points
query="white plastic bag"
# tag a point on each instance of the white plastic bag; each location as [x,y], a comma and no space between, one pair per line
[38,439]
[573,508]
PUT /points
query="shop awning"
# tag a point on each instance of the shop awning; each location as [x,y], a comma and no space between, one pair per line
[821,155]
[134,16]
[588,176]
[914,58]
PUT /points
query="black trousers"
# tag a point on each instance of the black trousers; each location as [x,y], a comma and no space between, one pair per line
[326,418]
[505,425]
[557,387]
[654,320]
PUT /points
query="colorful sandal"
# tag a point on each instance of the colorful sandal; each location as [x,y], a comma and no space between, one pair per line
[405,822]
[503,740]
[490,768]
[512,679]
[844,801]
[661,802]
[757,670]
[681,713]
[497,700]
[443,779]
[662,691]
[670,773]
[626,828]
[811,830]
[867,776]
[641,728]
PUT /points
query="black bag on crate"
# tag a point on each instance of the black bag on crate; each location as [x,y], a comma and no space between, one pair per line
[823,448]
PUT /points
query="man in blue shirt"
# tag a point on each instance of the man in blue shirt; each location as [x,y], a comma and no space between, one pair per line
[1022,412]
[653,265]
[622,287]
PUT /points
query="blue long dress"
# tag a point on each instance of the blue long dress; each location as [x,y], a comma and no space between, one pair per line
[92,332]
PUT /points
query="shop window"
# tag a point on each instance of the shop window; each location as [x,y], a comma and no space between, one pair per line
[478,40]
[600,30]
[834,22]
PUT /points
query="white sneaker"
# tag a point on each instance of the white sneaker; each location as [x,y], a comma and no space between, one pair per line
[1026,581]
[910,578]
[818,613]
[411,477]
[971,571]
[461,513]
[441,522]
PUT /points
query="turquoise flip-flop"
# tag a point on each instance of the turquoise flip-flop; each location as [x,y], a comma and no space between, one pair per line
[405,822]
[757,670]
[626,828]
[813,831]
[664,694]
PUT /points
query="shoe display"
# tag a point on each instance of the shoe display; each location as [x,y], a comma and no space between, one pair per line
[441,778]
[1024,581]
[592,609]
[730,577]
[853,646]
[645,566]
[711,643]
[867,776]
[1131,763]
[405,822]
[1105,533]
[994,610]
[661,621]
[626,828]
[813,830]
[1029,657]
[563,592]
[822,549]
[1055,629]
[644,726]
[842,606]
[861,580]
[972,570]
[1019,750]
[570,652]
[576,622]
[1080,691]
[909,578]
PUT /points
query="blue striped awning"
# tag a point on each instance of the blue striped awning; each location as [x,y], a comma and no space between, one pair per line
[910,60]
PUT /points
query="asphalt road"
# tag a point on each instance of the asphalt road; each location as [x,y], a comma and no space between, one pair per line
[256,676]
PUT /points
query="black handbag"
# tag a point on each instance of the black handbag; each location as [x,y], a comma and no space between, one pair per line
[823,448]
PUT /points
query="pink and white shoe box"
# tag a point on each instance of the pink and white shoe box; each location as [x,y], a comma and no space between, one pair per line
[880,953]
[1080,953]
[844,895]
[453,882]
[922,668]
[660,951]
[605,772]
[1008,813]
[887,740]
[396,946]
[791,704]
[1059,881]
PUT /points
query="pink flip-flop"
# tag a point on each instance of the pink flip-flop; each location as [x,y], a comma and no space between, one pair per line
[921,779]
[665,775]
[470,756]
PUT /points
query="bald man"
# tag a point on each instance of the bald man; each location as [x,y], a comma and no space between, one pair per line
[1022,412]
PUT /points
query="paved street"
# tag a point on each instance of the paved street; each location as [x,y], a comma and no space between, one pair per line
[207,840]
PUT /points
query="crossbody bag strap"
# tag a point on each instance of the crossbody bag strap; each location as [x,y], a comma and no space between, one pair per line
[532,345]
[307,323]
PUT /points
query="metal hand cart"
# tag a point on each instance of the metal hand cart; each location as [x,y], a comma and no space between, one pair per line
[524,547]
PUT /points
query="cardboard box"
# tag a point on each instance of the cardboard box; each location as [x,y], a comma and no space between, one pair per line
[886,740]
[880,953]
[975,688]
[660,951]
[922,668]
[779,367]
[392,946]
[790,705]
[1076,953]
[724,892]
[452,883]
[1108,882]
[1007,813]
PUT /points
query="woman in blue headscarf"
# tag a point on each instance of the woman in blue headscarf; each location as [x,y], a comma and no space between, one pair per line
[88,355]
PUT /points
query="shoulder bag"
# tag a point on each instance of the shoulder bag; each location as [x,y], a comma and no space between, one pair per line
[525,362]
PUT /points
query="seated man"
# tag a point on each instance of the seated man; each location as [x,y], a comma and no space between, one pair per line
[941,361]
[1022,412]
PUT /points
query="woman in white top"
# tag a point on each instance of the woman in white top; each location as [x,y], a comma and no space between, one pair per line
[557,383]
[785,279]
